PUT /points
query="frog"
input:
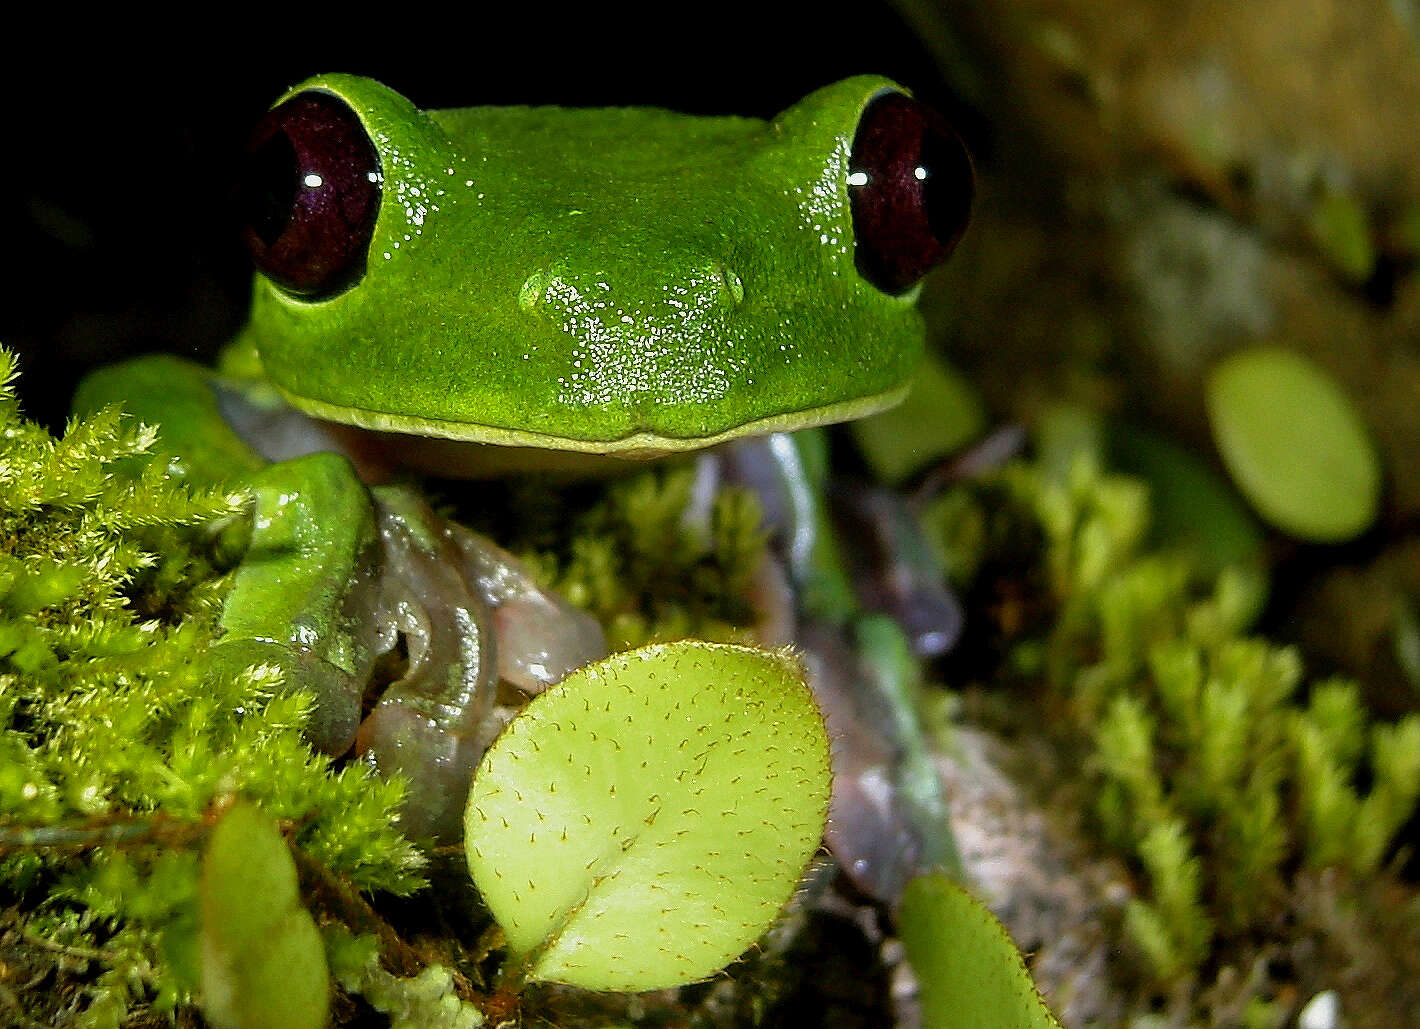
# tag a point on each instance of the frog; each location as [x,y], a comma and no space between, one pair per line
[482,290]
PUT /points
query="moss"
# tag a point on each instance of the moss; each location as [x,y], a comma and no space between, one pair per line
[639,553]
[120,737]
[427,1000]
[1218,770]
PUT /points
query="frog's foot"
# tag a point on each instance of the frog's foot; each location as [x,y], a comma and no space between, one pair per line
[541,637]
[871,831]
[469,615]
[887,817]
[428,726]
[894,569]
[339,578]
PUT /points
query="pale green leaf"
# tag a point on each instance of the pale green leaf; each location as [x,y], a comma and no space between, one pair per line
[942,413]
[643,822]
[1294,444]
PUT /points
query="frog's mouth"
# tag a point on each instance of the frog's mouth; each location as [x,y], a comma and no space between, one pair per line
[637,445]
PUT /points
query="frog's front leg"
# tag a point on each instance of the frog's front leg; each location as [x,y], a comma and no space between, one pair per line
[306,594]
[335,578]
[331,583]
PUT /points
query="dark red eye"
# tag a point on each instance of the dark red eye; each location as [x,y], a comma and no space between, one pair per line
[311,190]
[910,186]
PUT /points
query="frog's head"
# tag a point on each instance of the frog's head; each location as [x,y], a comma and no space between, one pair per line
[619,281]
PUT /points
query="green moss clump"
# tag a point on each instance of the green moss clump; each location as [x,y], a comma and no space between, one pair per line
[119,737]
[636,556]
[1217,772]
[428,1000]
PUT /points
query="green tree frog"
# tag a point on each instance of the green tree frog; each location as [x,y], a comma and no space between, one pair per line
[465,284]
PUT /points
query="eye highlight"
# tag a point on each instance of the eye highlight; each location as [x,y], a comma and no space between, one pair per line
[910,186]
[310,193]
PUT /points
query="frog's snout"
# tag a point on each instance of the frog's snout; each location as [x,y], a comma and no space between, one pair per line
[558,295]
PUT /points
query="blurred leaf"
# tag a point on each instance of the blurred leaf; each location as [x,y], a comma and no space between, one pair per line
[1294,444]
[941,414]
[1406,636]
[970,973]
[1065,434]
[1340,228]
[263,962]
[1190,506]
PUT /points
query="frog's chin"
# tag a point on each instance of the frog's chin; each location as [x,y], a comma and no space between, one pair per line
[412,433]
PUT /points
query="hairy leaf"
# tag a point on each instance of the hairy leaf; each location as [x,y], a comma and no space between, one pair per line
[643,822]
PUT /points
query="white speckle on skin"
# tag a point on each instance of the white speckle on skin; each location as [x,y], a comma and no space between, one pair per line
[820,202]
[679,341]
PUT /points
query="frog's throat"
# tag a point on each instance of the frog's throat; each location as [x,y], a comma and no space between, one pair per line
[634,445]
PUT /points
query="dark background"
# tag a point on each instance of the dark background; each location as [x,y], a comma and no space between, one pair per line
[119,146]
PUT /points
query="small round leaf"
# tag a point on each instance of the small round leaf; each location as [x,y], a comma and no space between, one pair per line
[643,822]
[1191,505]
[1294,444]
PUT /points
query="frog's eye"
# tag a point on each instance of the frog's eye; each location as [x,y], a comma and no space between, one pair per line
[311,190]
[910,187]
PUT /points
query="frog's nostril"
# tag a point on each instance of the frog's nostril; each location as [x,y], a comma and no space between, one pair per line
[533,290]
[731,283]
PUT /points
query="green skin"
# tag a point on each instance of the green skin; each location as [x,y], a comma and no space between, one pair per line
[609,281]
[618,281]
[623,282]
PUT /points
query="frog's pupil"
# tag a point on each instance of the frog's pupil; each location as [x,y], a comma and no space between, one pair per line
[910,186]
[311,192]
